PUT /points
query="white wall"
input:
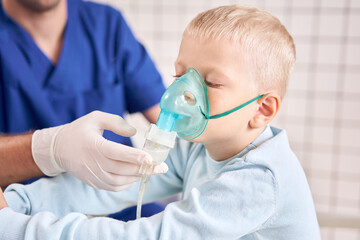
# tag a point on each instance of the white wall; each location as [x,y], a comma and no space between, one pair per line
[321,111]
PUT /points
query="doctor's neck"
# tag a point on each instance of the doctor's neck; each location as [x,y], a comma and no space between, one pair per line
[45,21]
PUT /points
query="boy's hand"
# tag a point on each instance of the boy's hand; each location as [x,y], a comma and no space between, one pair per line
[3,203]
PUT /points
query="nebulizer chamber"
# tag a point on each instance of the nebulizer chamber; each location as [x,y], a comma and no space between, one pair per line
[183,106]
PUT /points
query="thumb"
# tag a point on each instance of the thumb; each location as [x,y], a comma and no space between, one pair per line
[161,168]
[114,123]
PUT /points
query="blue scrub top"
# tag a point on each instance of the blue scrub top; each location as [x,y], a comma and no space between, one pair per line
[101,67]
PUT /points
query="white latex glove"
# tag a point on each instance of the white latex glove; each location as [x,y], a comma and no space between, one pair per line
[79,148]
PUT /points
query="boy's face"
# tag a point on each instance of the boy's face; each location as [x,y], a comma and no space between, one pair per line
[227,77]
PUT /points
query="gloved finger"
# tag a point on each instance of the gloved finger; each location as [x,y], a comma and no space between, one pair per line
[161,168]
[120,168]
[113,123]
[108,181]
[155,170]
[108,187]
[129,169]
[114,179]
[120,152]
[120,180]
[119,188]
[96,183]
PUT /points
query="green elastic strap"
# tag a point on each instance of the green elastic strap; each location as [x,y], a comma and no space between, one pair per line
[232,110]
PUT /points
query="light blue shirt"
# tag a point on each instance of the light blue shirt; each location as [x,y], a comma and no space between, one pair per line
[261,193]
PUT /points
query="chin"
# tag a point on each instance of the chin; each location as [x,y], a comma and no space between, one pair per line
[195,140]
[200,139]
[40,6]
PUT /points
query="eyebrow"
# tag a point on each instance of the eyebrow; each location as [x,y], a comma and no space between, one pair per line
[223,78]
[220,77]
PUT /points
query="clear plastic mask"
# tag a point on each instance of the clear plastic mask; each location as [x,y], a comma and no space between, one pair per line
[185,106]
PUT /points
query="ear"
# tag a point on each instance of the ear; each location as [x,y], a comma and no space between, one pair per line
[269,105]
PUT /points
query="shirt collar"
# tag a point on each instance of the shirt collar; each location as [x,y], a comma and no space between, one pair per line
[264,136]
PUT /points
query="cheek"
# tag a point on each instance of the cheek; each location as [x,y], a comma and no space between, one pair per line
[226,127]
[223,100]
[220,129]
[217,103]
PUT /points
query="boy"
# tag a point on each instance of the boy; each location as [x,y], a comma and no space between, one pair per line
[239,179]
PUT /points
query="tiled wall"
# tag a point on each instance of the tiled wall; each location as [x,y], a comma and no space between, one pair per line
[321,111]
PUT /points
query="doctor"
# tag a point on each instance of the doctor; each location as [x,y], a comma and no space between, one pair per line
[60,60]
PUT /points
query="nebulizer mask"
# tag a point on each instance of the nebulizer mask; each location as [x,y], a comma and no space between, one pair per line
[184,112]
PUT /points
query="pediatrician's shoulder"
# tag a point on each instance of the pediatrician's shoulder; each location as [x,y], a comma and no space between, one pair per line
[4,38]
[3,34]
[106,23]
[100,13]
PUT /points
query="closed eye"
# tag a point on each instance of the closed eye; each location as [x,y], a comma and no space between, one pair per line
[209,84]
[212,85]
[176,76]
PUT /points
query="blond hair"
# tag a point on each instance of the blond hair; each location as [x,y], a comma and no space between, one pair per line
[268,47]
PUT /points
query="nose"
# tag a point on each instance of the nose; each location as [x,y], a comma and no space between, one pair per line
[190,98]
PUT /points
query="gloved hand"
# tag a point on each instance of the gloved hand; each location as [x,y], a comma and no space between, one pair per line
[79,148]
